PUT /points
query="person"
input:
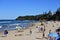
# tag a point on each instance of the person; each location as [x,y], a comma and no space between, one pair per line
[30,31]
[5,33]
[39,28]
[49,31]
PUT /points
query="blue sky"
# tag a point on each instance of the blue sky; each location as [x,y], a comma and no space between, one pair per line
[11,9]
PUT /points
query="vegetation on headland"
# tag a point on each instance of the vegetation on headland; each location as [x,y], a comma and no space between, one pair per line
[47,16]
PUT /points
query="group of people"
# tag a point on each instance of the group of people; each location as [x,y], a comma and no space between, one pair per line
[42,29]
[51,35]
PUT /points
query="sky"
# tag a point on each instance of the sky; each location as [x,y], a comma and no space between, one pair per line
[11,9]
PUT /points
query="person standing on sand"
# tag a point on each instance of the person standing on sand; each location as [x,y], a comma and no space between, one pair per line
[30,31]
[42,27]
[49,31]
[39,28]
[43,30]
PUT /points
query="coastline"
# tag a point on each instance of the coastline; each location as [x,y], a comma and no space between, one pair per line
[35,36]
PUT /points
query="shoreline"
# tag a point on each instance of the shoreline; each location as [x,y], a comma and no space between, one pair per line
[14,35]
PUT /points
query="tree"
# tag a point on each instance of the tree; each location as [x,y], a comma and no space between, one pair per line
[56,16]
[46,16]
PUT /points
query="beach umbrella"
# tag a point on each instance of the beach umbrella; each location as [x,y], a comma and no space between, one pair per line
[53,34]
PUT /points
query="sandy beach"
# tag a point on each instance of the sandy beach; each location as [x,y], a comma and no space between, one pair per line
[14,35]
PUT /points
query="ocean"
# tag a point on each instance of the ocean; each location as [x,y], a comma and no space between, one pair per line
[11,24]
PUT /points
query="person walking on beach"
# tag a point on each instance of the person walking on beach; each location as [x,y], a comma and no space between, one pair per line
[5,33]
[40,28]
[30,31]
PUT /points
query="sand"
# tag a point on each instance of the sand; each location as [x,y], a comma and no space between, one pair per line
[25,35]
